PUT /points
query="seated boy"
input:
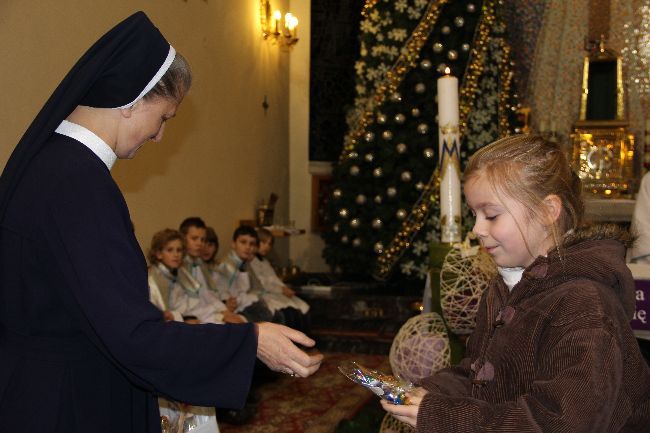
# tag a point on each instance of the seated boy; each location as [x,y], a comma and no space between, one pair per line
[234,282]
[193,230]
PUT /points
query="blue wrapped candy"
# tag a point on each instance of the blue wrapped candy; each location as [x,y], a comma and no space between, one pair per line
[386,386]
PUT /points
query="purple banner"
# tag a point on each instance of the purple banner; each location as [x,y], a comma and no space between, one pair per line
[640,320]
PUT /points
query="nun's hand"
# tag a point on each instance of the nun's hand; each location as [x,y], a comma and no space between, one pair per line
[276,349]
[407,413]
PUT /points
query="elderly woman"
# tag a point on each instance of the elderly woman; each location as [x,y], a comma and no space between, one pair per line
[81,347]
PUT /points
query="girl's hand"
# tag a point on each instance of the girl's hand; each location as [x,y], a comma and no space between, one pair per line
[407,413]
[168,316]
[287,292]
[230,317]
[231,304]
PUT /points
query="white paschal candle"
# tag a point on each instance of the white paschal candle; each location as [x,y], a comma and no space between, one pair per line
[449,162]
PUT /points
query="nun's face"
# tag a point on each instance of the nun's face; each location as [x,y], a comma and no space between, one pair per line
[142,122]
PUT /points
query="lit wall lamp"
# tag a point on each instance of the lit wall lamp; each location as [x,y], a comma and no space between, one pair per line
[283,32]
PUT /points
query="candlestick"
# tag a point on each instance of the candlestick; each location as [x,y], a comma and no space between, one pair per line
[449,162]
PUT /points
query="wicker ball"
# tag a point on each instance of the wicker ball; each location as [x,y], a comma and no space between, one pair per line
[391,424]
[420,348]
[465,273]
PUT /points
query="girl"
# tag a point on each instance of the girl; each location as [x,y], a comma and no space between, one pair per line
[280,299]
[552,350]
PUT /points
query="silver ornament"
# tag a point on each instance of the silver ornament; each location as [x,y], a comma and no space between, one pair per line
[396,97]
[438,47]
[452,55]
[378,199]
[426,64]
[405,176]
[381,119]
[344,239]
[387,135]
[379,248]
[400,118]
[378,172]
[415,112]
[337,193]
[459,21]
[369,157]
[401,148]
[423,128]
[428,153]
[445,30]
[377,223]
[336,228]
[354,170]
[441,68]
[420,88]
[353,155]
[465,47]
[401,214]
[370,136]
[471,8]
[361,199]
[419,186]
[354,223]
[356,242]
[391,191]
[343,213]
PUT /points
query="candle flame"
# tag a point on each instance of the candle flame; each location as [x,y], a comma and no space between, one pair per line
[447,70]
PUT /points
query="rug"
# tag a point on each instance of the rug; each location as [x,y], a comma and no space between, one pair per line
[313,405]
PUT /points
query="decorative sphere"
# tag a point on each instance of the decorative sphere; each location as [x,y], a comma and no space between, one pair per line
[419,186]
[356,242]
[354,170]
[465,47]
[391,191]
[459,21]
[344,239]
[379,248]
[438,47]
[369,157]
[387,135]
[401,214]
[426,64]
[406,176]
[420,348]
[377,223]
[370,136]
[420,88]
[343,213]
[336,228]
[415,112]
[378,199]
[452,55]
[337,193]
[423,128]
[378,172]
[396,97]
[353,155]
[400,118]
[361,199]
[441,68]
[445,30]
[355,223]
[428,153]
[401,148]
[381,119]
[471,8]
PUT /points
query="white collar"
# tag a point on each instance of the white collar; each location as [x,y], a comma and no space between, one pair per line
[511,276]
[90,140]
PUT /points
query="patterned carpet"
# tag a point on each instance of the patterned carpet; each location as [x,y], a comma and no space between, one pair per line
[313,405]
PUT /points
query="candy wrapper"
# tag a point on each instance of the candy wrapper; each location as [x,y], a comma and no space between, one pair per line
[386,386]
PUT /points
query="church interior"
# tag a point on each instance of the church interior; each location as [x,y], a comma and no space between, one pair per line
[322,122]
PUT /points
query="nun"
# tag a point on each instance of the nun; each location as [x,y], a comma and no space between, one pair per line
[81,347]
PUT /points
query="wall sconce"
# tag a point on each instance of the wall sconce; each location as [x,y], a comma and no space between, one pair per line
[274,27]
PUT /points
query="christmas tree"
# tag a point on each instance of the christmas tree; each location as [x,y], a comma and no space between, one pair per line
[383,211]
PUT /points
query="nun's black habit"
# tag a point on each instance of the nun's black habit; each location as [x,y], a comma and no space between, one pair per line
[81,348]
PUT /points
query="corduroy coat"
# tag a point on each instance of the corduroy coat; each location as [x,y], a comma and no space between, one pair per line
[555,354]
